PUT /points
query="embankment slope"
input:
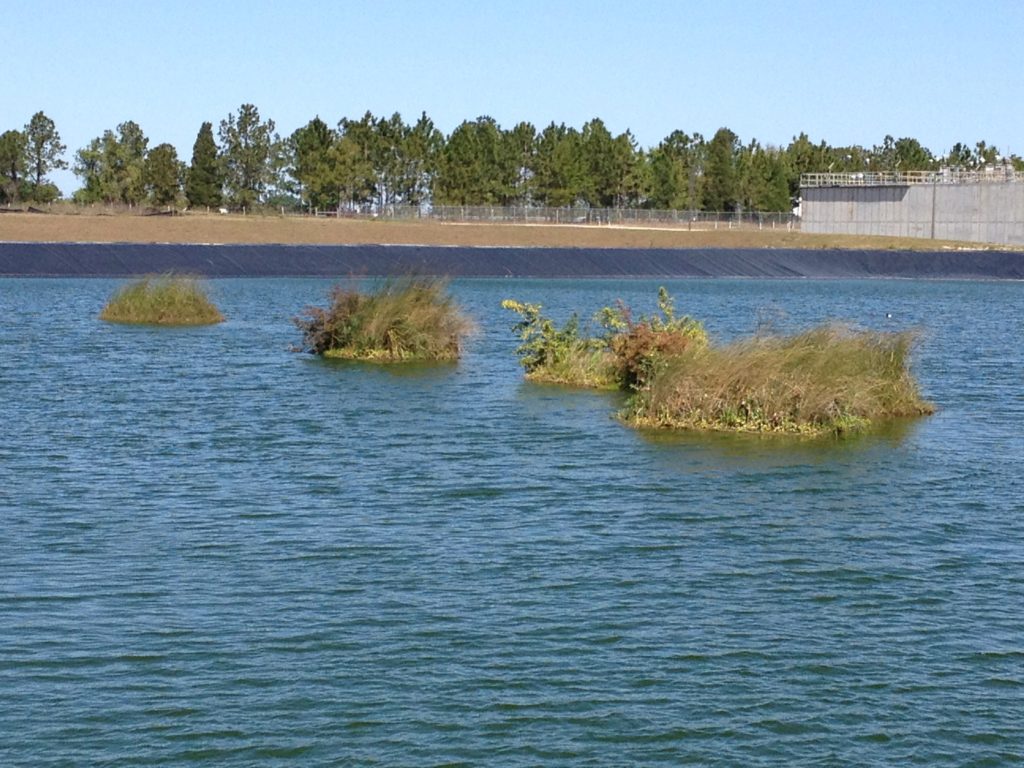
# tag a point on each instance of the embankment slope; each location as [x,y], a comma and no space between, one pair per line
[125,259]
[223,246]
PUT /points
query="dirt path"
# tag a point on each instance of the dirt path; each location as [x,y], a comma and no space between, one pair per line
[205,228]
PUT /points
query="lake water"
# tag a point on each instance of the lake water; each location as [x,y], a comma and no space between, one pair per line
[216,551]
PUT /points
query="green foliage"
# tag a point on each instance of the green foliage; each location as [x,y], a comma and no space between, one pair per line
[248,155]
[165,300]
[628,353]
[131,159]
[89,166]
[351,160]
[829,380]
[558,168]
[404,319]
[805,157]
[613,168]
[960,156]
[721,188]
[559,355]
[520,143]
[204,181]
[383,161]
[47,192]
[764,183]
[904,154]
[387,156]
[43,153]
[982,155]
[13,166]
[600,164]
[476,166]
[310,148]
[420,149]
[112,166]
[371,160]
[676,167]
[162,174]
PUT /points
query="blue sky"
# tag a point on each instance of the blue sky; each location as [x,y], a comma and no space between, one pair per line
[846,72]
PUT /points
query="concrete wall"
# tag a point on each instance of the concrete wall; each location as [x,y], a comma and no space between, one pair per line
[983,213]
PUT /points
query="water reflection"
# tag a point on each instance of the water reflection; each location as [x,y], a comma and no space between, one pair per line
[760,449]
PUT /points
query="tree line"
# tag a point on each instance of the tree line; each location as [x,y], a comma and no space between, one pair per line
[374,162]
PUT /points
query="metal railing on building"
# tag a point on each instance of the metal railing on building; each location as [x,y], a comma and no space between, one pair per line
[987,175]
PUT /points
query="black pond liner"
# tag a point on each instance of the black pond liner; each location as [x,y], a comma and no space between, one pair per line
[132,259]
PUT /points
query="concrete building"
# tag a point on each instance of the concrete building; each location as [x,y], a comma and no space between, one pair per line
[974,206]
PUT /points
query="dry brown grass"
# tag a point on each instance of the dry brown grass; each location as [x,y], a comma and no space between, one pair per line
[214,228]
[402,319]
[828,380]
[162,300]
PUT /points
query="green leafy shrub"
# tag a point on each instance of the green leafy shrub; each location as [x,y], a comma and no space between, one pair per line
[624,357]
[830,379]
[404,319]
[559,355]
[164,300]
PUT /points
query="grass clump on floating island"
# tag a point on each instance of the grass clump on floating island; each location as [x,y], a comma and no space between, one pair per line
[405,319]
[828,380]
[164,300]
[625,356]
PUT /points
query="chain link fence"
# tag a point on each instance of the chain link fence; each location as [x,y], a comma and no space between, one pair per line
[471,214]
[616,217]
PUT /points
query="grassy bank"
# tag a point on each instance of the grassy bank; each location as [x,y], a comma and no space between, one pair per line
[828,380]
[403,319]
[165,300]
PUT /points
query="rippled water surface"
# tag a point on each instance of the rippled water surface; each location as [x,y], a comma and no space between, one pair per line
[217,551]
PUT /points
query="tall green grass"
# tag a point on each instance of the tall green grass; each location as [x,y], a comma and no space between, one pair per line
[830,379]
[403,319]
[163,300]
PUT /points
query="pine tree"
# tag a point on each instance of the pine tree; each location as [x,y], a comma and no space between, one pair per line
[44,153]
[421,147]
[204,180]
[476,167]
[162,174]
[558,169]
[249,150]
[721,191]
[13,165]
[310,148]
